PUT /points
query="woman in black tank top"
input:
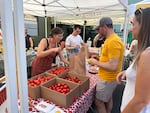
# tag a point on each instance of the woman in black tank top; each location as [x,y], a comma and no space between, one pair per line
[47,51]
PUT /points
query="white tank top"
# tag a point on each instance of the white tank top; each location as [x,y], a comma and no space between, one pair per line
[130,86]
[129,90]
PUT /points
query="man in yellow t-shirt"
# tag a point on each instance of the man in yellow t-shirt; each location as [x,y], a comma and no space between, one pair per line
[110,63]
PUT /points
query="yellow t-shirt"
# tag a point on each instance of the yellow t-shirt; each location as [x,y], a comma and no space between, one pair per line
[113,48]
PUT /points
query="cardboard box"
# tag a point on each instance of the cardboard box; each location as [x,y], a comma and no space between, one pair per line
[85,81]
[63,100]
[35,92]
[58,70]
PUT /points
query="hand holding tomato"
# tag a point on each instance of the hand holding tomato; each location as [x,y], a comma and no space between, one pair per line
[93,61]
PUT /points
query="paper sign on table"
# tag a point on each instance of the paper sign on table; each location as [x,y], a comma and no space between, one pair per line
[44,107]
[57,110]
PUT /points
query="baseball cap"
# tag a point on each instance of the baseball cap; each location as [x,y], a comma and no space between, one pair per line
[105,21]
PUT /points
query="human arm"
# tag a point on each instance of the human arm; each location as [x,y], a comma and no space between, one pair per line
[142,90]
[94,43]
[62,58]
[95,40]
[111,65]
[31,42]
[71,47]
[121,76]
[82,42]
[95,56]
[41,52]
[113,50]
[133,45]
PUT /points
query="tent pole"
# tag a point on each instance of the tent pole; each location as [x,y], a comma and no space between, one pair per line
[46,26]
[21,55]
[125,30]
[55,21]
[124,3]
[9,55]
[84,26]
[84,33]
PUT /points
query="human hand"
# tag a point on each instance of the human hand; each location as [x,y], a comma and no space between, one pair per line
[95,56]
[58,49]
[120,77]
[92,61]
[77,46]
[62,45]
[68,63]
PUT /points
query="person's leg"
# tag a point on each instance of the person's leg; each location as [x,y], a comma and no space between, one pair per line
[100,106]
[100,96]
[109,105]
[104,91]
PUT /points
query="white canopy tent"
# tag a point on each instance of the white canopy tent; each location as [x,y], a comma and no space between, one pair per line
[76,11]
[13,35]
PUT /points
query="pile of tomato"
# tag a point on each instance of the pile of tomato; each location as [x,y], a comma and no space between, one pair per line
[2,96]
[60,87]
[58,70]
[39,80]
[73,79]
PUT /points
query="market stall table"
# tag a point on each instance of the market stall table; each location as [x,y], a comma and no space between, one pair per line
[1,65]
[81,105]
[3,101]
[29,57]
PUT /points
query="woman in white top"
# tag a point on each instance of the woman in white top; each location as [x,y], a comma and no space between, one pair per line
[136,97]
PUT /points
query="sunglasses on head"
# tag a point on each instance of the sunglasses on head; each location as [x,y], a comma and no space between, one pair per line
[138,11]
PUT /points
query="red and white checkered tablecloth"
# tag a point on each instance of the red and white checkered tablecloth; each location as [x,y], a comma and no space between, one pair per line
[3,99]
[81,105]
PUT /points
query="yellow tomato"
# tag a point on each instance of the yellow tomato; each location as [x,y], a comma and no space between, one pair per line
[88,61]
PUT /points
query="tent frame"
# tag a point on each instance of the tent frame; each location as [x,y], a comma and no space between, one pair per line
[14,55]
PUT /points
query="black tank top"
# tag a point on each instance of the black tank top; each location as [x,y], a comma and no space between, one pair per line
[27,37]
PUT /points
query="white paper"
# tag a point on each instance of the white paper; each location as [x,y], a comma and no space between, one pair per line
[44,107]
[57,109]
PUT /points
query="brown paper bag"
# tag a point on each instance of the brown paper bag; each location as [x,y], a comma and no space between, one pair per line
[86,50]
[77,62]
